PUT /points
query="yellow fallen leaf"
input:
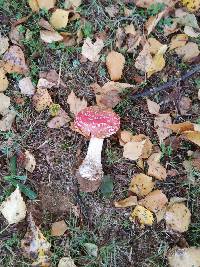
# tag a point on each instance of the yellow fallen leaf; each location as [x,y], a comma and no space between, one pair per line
[141,184]
[188,52]
[76,104]
[155,45]
[3,80]
[193,136]
[153,107]
[50,36]
[58,228]
[181,127]
[178,40]
[161,123]
[115,64]
[127,202]
[59,18]
[192,5]
[34,5]
[91,50]
[46,4]
[155,168]
[133,150]
[41,99]
[144,216]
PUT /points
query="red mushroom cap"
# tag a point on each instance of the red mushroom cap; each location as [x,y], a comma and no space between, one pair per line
[97,122]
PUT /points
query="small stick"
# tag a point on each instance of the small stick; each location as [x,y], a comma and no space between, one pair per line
[167,85]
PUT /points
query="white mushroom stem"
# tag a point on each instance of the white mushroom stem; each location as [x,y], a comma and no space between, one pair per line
[91,167]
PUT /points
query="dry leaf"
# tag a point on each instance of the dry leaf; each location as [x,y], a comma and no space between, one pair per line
[91,51]
[59,18]
[188,52]
[155,45]
[144,59]
[127,202]
[41,99]
[34,5]
[153,21]
[141,184]
[178,40]
[16,36]
[46,4]
[76,104]
[14,207]
[192,5]
[147,148]
[58,228]
[26,86]
[130,29]
[153,107]
[4,103]
[50,36]
[154,201]
[115,64]
[7,120]
[148,3]
[181,127]
[133,150]
[14,60]
[59,120]
[66,262]
[191,32]
[4,44]
[125,137]
[112,10]
[144,216]
[184,257]
[29,162]
[178,217]
[193,136]
[52,77]
[72,4]
[35,246]
[160,123]
[184,105]
[3,80]
[155,168]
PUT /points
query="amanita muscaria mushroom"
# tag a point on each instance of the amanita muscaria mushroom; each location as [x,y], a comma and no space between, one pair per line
[97,123]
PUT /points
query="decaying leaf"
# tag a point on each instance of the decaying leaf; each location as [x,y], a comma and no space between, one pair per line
[115,64]
[187,257]
[141,184]
[29,163]
[58,228]
[155,168]
[160,123]
[127,202]
[14,207]
[154,201]
[26,86]
[46,4]
[130,29]
[76,104]
[133,150]
[91,51]
[143,215]
[50,36]
[4,44]
[153,107]
[178,217]
[59,18]
[14,60]
[144,59]
[188,52]
[178,40]
[35,246]
[66,262]
[41,99]
[3,80]
[59,120]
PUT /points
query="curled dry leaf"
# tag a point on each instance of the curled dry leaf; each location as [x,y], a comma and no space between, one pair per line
[14,60]
[4,44]
[144,59]
[14,207]
[91,51]
[154,201]
[188,52]
[76,104]
[178,217]
[143,215]
[29,163]
[127,202]
[115,64]
[187,257]
[59,18]
[59,120]
[161,123]
[35,246]
[3,80]
[155,168]
[153,107]
[66,262]
[178,40]
[141,184]
[133,150]
[46,4]
[50,36]
[41,99]
[26,86]
[58,228]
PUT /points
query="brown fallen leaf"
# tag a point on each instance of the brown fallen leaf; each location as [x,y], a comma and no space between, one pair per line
[178,217]
[59,120]
[187,257]
[188,52]
[26,86]
[144,59]
[50,36]
[143,215]
[155,168]
[14,60]
[76,104]
[3,80]
[193,136]
[35,246]
[46,4]
[41,99]
[181,127]
[115,64]
[178,40]
[153,107]
[58,228]
[184,105]
[127,202]
[91,50]
[125,137]
[133,150]
[4,44]
[160,123]
[141,184]
[154,201]
[34,5]
[59,18]
[29,161]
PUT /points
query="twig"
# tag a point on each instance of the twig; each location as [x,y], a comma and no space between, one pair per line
[167,85]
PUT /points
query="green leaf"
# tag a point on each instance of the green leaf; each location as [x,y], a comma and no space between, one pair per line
[107,186]
[13,165]
[18,177]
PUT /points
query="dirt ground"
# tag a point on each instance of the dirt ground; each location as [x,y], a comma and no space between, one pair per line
[92,217]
